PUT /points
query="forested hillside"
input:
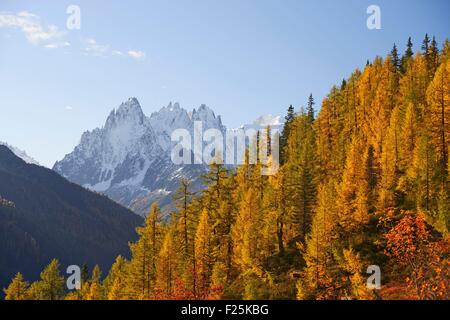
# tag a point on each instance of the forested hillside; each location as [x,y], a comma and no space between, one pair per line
[42,216]
[365,182]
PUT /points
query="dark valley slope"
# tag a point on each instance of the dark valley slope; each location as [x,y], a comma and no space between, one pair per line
[43,216]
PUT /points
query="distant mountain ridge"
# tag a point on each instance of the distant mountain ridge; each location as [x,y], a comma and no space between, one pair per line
[20,153]
[44,216]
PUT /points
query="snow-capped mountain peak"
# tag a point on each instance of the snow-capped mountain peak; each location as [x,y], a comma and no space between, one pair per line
[172,107]
[170,118]
[207,117]
[129,112]
[20,153]
[129,157]
[268,120]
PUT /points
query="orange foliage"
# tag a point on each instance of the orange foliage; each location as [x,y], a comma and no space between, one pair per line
[181,291]
[411,246]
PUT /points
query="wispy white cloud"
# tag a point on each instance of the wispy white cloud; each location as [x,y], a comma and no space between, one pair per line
[26,14]
[69,108]
[138,55]
[30,24]
[51,37]
[92,47]
[57,45]
[117,53]
[96,49]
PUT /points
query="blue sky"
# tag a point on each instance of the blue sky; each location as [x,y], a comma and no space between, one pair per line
[242,58]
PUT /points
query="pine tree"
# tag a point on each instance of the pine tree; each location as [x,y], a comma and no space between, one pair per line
[355,286]
[290,114]
[310,108]
[369,79]
[222,242]
[84,274]
[317,278]
[286,132]
[51,285]
[142,266]
[203,255]
[95,291]
[182,199]
[276,214]
[300,168]
[408,55]
[414,83]
[214,179]
[438,98]
[326,136]
[395,58]
[166,268]
[408,136]
[17,289]
[380,105]
[115,283]
[390,163]
[96,274]
[116,290]
[246,231]
[425,45]
[433,58]
[445,55]
[422,174]
[353,194]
